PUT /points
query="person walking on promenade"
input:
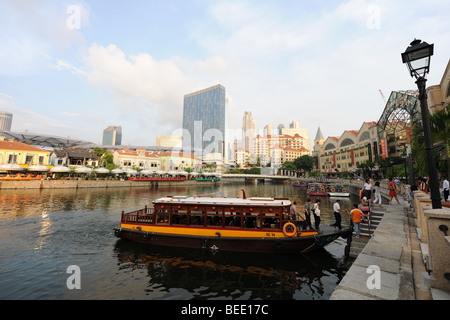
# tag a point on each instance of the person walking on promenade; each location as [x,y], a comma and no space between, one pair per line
[357,216]
[308,211]
[393,191]
[367,189]
[377,193]
[316,212]
[337,214]
[445,186]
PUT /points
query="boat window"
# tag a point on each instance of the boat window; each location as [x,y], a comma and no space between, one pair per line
[196,217]
[270,220]
[214,216]
[233,218]
[251,220]
[162,216]
[179,216]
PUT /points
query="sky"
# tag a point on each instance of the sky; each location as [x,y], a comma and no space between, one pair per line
[72,68]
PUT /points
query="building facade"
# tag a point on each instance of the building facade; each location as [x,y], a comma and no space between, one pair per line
[5,121]
[248,131]
[169,141]
[138,158]
[112,136]
[439,95]
[345,153]
[23,154]
[204,120]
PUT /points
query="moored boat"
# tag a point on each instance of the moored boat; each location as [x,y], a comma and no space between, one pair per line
[144,178]
[338,191]
[317,190]
[228,224]
[21,177]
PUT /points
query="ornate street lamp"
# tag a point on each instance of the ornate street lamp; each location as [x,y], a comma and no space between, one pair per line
[417,57]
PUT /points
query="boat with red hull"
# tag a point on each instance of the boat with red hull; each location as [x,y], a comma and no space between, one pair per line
[229,224]
[158,179]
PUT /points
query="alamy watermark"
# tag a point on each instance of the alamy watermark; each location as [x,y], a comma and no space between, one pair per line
[373,21]
[374,280]
[73,22]
[74,280]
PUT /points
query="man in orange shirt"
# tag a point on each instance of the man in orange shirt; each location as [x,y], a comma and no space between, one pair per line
[356,218]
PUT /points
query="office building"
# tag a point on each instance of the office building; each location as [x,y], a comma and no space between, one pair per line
[5,121]
[112,136]
[204,120]
[248,132]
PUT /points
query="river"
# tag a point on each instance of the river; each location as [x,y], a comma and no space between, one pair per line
[43,232]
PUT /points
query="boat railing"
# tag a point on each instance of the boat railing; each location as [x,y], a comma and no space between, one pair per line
[138,216]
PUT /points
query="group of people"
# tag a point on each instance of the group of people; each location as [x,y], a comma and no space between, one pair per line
[356,213]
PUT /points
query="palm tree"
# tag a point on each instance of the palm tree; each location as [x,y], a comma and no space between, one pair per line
[440,132]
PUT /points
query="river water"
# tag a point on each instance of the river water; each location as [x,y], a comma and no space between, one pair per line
[43,232]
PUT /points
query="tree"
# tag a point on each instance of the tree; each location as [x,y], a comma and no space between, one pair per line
[304,162]
[288,165]
[440,133]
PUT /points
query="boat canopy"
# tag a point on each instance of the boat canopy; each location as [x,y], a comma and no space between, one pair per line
[255,201]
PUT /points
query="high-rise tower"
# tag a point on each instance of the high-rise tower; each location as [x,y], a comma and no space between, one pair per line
[204,120]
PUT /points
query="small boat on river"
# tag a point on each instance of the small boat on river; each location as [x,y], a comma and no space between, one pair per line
[317,190]
[338,191]
[230,224]
[157,179]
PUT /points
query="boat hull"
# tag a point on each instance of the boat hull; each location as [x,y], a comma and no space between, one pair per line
[339,194]
[236,244]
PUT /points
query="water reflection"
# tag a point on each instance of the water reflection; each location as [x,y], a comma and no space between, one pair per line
[224,275]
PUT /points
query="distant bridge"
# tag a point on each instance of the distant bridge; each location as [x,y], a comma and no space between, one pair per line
[254,177]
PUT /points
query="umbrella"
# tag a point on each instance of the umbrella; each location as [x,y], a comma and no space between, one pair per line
[117,171]
[130,171]
[83,170]
[11,167]
[38,168]
[60,169]
[101,170]
[194,173]
[146,171]
[160,172]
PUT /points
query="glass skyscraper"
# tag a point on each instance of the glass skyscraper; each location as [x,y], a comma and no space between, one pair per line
[112,136]
[204,120]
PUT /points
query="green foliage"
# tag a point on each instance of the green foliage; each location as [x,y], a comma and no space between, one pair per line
[305,163]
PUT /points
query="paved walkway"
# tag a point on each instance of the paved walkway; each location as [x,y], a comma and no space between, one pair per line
[390,267]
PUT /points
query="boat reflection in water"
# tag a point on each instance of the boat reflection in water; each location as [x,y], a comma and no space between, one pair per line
[177,273]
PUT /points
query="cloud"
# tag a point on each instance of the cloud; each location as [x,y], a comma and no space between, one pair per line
[30,28]
[29,121]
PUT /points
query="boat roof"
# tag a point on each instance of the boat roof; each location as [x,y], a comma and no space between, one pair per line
[254,201]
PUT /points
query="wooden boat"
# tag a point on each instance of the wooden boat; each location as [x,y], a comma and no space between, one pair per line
[141,178]
[207,179]
[338,191]
[317,190]
[228,224]
[20,177]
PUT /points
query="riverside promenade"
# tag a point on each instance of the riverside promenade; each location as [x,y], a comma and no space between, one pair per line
[391,265]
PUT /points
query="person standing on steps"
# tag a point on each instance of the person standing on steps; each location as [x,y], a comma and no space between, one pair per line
[393,191]
[367,189]
[357,216]
[377,192]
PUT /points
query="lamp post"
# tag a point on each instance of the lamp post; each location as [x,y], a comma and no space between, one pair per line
[417,57]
